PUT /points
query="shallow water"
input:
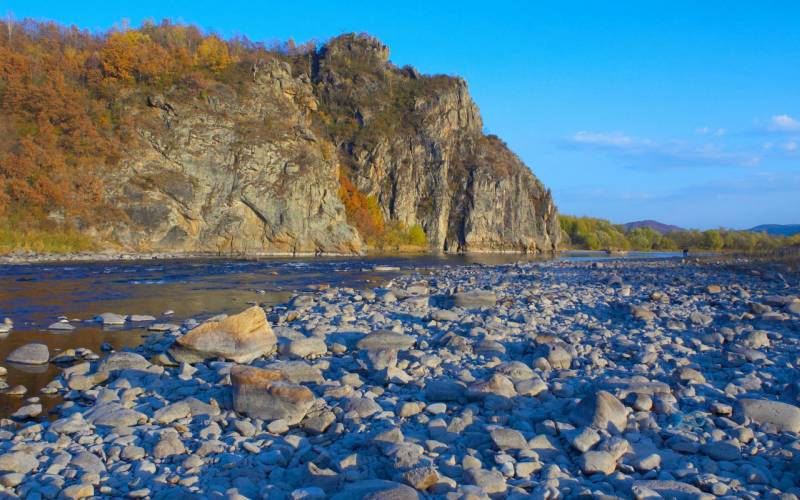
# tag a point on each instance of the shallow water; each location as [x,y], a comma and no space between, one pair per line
[34,296]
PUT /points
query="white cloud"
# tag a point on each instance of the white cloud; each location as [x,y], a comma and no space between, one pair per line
[719,132]
[613,139]
[783,123]
[649,153]
[790,146]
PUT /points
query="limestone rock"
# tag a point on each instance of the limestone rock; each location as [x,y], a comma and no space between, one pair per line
[266,394]
[240,338]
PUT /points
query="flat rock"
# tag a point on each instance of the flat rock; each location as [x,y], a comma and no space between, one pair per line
[30,354]
[268,395]
[377,489]
[111,319]
[382,340]
[61,326]
[473,300]
[785,417]
[240,338]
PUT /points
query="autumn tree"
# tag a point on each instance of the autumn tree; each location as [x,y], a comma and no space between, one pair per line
[212,54]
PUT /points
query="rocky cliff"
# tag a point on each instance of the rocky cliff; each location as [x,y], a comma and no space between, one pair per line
[252,164]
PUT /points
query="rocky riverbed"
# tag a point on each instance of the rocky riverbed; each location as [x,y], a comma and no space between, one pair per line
[658,379]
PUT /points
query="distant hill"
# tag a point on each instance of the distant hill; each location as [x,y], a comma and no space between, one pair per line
[659,227]
[777,229]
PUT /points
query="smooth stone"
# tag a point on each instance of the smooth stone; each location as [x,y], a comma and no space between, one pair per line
[785,417]
[381,340]
[61,325]
[30,354]
[18,461]
[123,361]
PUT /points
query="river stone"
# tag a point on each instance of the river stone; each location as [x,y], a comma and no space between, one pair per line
[473,300]
[675,490]
[508,439]
[381,340]
[268,395]
[377,489]
[602,411]
[61,325]
[444,389]
[30,354]
[785,417]
[18,461]
[594,462]
[88,462]
[111,319]
[70,425]
[114,415]
[305,348]
[77,491]
[241,338]
[123,361]
[490,481]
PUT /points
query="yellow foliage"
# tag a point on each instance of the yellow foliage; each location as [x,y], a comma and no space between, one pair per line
[212,54]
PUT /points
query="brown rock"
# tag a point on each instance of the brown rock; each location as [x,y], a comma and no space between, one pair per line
[241,338]
[267,394]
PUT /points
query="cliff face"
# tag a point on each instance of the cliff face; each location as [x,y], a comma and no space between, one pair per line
[253,166]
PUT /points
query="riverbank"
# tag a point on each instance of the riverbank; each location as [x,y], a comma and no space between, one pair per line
[631,378]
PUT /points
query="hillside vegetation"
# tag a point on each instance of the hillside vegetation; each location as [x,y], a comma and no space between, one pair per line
[598,234]
[65,96]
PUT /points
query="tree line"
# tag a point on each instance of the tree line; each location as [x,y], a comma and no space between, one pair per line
[598,234]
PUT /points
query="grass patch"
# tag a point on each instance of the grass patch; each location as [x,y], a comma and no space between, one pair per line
[55,240]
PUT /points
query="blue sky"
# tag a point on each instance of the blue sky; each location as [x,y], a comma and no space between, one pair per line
[681,111]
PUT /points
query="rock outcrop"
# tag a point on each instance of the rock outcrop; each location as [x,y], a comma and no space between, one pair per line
[253,165]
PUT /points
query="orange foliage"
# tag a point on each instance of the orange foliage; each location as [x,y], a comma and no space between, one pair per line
[63,105]
[363,212]
[132,55]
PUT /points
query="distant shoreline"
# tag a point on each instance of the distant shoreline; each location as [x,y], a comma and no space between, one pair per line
[86,257]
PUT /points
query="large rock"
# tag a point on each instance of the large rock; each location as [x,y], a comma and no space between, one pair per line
[783,416]
[30,354]
[268,395]
[241,338]
[602,411]
[246,169]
